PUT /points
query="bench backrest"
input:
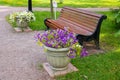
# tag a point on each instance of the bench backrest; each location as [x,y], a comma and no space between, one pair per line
[87,20]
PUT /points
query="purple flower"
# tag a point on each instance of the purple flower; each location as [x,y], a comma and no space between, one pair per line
[84,52]
[71,53]
[37,36]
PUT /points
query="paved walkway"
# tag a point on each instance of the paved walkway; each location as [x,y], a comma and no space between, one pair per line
[20,57]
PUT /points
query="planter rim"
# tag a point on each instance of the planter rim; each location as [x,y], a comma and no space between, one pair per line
[55,49]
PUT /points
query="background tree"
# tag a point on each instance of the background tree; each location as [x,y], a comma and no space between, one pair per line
[61,1]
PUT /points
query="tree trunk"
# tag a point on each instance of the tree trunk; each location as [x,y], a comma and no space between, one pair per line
[51,7]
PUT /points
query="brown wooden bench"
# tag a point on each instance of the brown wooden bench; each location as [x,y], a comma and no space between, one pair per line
[84,23]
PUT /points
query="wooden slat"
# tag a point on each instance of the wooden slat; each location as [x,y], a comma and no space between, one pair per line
[88,27]
[80,14]
[84,12]
[53,24]
[67,22]
[93,26]
[80,20]
[74,28]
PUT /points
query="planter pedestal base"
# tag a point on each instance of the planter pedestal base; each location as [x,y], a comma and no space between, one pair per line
[18,29]
[27,29]
[54,73]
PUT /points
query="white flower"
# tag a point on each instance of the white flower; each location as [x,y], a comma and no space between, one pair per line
[22,16]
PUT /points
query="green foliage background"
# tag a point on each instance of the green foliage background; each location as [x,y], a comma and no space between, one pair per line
[72,3]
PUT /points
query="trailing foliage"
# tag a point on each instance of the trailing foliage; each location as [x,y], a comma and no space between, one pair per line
[117,19]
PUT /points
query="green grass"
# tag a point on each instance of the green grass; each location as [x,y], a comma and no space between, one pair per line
[72,3]
[40,17]
[39,23]
[108,32]
[95,67]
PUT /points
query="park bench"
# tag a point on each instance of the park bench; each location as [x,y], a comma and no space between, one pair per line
[84,23]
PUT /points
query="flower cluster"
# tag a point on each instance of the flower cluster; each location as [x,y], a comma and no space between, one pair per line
[59,39]
[22,16]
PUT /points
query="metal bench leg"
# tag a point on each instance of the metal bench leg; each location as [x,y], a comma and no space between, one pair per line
[80,40]
[46,25]
[97,43]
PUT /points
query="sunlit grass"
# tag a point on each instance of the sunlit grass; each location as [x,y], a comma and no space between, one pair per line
[72,3]
[118,50]
[95,67]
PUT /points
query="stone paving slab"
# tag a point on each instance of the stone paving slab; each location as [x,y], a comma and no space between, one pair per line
[91,48]
[27,29]
[54,73]
[17,29]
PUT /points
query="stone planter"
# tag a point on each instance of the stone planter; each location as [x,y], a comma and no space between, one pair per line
[57,58]
[24,24]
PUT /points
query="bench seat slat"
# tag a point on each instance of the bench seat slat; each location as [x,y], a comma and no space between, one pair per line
[79,14]
[62,25]
[81,21]
[53,24]
[91,27]
[79,25]
[78,17]
[83,11]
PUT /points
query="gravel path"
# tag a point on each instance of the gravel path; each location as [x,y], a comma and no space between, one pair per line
[20,57]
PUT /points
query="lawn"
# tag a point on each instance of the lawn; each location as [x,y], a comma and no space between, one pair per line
[95,67]
[72,3]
